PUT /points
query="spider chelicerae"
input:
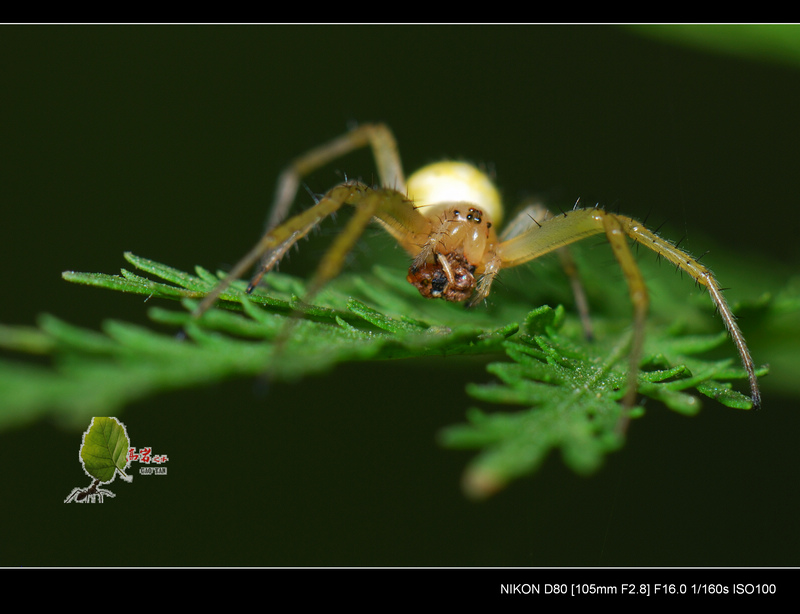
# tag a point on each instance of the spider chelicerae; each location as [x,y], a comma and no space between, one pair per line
[446,216]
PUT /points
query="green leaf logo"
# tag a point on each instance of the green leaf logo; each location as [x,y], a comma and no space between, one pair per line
[105,449]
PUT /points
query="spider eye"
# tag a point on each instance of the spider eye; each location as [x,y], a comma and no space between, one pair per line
[475,215]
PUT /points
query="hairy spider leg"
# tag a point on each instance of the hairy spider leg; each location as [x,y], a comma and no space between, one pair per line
[579,224]
[273,245]
[555,233]
[278,241]
[529,217]
[388,206]
[384,150]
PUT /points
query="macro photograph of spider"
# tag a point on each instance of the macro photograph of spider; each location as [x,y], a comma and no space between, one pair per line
[448,217]
[404,295]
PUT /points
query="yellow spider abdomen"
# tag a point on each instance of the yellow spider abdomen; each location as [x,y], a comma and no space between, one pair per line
[445,183]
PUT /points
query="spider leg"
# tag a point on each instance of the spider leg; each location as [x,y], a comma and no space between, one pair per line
[557,232]
[582,223]
[490,271]
[530,217]
[639,298]
[704,277]
[384,149]
[279,238]
[384,204]
[276,242]
[438,229]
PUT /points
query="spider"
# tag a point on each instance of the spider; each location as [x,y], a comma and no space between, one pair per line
[446,217]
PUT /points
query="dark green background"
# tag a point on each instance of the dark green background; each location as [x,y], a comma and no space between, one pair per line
[166,141]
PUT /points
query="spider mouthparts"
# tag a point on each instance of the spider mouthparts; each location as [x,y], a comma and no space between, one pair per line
[449,277]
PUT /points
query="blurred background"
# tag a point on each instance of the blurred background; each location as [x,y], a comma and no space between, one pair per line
[166,141]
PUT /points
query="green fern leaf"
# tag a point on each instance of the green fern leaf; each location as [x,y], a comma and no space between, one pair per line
[556,390]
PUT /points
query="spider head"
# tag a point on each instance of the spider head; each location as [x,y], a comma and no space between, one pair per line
[449,276]
[456,247]
[460,202]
